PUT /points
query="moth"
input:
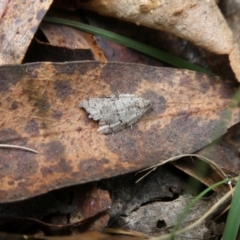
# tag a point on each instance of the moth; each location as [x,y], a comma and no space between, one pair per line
[117,112]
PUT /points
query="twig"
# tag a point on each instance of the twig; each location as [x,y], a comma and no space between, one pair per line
[17,147]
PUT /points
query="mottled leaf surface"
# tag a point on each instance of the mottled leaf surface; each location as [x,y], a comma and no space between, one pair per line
[19,23]
[40,109]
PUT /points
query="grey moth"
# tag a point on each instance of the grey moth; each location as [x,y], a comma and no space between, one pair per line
[117,112]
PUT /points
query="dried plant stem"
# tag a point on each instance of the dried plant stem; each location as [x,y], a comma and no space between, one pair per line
[17,147]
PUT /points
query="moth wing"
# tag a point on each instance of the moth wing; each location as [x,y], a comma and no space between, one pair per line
[113,128]
[134,116]
[121,108]
[131,111]
[124,117]
[115,113]
[94,107]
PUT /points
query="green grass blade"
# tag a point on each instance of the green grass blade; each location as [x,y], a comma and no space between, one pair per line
[141,47]
[233,219]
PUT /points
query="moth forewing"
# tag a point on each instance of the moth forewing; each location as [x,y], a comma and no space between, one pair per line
[117,112]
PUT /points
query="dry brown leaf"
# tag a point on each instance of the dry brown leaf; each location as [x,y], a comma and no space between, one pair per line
[60,35]
[44,52]
[91,202]
[18,25]
[71,38]
[226,152]
[206,172]
[40,110]
[200,22]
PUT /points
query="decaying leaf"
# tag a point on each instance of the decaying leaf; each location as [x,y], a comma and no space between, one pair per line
[40,110]
[18,26]
[71,38]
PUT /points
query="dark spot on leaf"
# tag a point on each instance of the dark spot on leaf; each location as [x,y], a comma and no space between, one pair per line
[185,80]
[36,97]
[90,166]
[43,105]
[43,125]
[130,140]
[158,102]
[46,171]
[14,105]
[75,175]
[104,161]
[10,183]
[8,78]
[8,134]
[32,127]
[54,151]
[115,71]
[79,129]
[56,114]
[17,163]
[62,166]
[62,89]
[84,68]
[205,83]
